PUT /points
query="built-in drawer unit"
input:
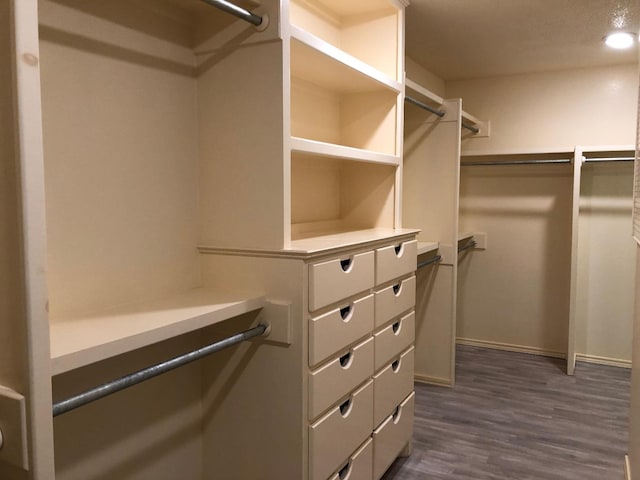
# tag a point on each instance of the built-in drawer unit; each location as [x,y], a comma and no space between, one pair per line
[393,339]
[338,328]
[340,278]
[335,436]
[394,300]
[396,261]
[392,384]
[359,466]
[337,378]
[392,436]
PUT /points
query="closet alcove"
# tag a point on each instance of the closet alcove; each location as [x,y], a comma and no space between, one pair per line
[530,283]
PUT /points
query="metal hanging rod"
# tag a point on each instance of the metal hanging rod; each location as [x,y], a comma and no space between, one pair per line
[517,162]
[440,113]
[424,106]
[140,376]
[235,10]
[470,127]
[436,259]
[467,246]
[609,159]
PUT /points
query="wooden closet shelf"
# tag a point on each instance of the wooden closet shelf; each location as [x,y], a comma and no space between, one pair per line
[331,150]
[80,341]
[320,62]
[337,240]
[427,247]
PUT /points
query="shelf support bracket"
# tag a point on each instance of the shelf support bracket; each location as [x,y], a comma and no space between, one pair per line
[13,429]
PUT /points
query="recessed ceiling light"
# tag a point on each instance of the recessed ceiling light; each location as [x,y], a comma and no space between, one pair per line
[620,40]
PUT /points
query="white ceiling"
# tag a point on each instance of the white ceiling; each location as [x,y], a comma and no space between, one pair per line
[459,39]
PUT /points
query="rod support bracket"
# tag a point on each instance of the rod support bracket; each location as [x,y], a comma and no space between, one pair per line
[13,429]
[277,316]
[264,24]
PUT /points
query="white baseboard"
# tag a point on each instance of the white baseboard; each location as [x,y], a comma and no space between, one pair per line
[627,468]
[441,382]
[581,357]
[510,347]
[612,362]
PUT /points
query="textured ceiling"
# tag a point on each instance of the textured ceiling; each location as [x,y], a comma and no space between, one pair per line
[458,39]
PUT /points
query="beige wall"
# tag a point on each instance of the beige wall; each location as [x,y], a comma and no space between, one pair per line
[120,199]
[425,78]
[517,291]
[575,107]
[606,267]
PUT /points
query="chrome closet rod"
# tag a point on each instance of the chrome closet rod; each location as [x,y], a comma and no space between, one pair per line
[470,127]
[516,162]
[235,10]
[610,159]
[424,106]
[435,259]
[140,376]
[469,245]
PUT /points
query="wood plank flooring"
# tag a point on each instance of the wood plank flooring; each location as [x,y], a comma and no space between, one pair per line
[518,416]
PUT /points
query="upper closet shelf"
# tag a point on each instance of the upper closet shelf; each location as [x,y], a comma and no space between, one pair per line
[318,62]
[564,151]
[413,87]
[477,127]
[80,341]
[323,149]
[427,247]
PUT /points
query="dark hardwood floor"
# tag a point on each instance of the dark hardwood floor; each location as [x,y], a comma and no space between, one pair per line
[515,416]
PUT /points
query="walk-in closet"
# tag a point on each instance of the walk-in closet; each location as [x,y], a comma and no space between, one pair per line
[254,240]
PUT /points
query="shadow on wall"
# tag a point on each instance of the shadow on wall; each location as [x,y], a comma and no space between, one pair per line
[516,293]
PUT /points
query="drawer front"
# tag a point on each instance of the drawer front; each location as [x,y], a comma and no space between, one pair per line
[333,381]
[396,261]
[391,437]
[395,299]
[336,435]
[359,466]
[391,385]
[336,279]
[394,339]
[335,330]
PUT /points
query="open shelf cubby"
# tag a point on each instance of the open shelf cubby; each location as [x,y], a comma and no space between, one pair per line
[333,103]
[365,29]
[331,195]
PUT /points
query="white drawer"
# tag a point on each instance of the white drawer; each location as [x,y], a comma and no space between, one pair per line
[336,435]
[392,340]
[392,436]
[392,384]
[359,466]
[334,280]
[396,261]
[337,378]
[394,300]
[332,331]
